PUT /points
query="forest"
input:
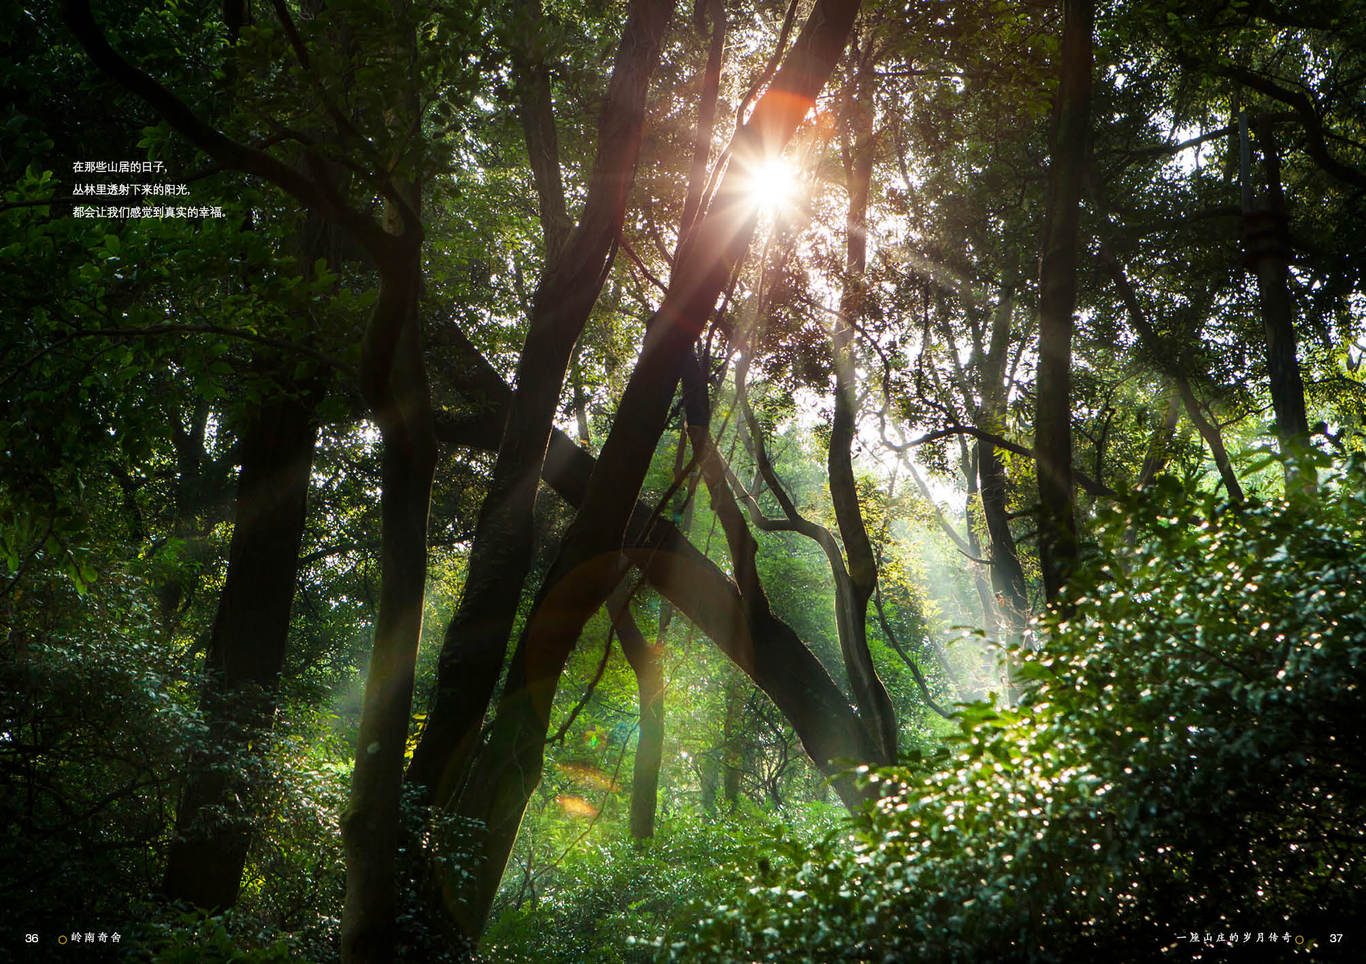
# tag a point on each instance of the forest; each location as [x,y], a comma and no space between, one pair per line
[563,481]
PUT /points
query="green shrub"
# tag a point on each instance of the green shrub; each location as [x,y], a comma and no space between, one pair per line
[1185,760]
[609,901]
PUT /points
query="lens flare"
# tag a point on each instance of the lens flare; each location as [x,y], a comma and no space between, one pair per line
[774,186]
[575,806]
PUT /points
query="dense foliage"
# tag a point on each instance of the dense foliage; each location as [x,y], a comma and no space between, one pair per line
[1182,761]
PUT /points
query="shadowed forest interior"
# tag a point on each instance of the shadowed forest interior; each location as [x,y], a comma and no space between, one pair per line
[723,480]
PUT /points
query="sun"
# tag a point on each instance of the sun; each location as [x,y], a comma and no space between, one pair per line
[773,186]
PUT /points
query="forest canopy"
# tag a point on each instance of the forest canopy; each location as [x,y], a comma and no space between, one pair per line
[627,480]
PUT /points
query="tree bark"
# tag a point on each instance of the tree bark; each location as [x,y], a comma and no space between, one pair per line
[874,703]
[246,653]
[646,662]
[1159,449]
[396,389]
[986,598]
[829,730]
[393,379]
[732,748]
[703,133]
[1267,242]
[1057,299]
[1007,577]
[187,530]
[537,111]
[879,725]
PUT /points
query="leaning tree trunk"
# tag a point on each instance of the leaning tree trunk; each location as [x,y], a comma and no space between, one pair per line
[735,616]
[1058,297]
[246,653]
[1160,446]
[1147,336]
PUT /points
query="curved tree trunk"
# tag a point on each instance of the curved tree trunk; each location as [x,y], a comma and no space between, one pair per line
[736,617]
[854,593]
[1181,384]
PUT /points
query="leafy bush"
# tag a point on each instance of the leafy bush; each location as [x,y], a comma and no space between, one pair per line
[608,901]
[1185,760]
[94,718]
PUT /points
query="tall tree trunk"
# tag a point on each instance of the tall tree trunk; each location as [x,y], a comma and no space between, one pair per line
[874,703]
[396,388]
[476,639]
[645,661]
[1007,577]
[247,648]
[246,653]
[1268,252]
[1057,299]
[393,379]
[732,737]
